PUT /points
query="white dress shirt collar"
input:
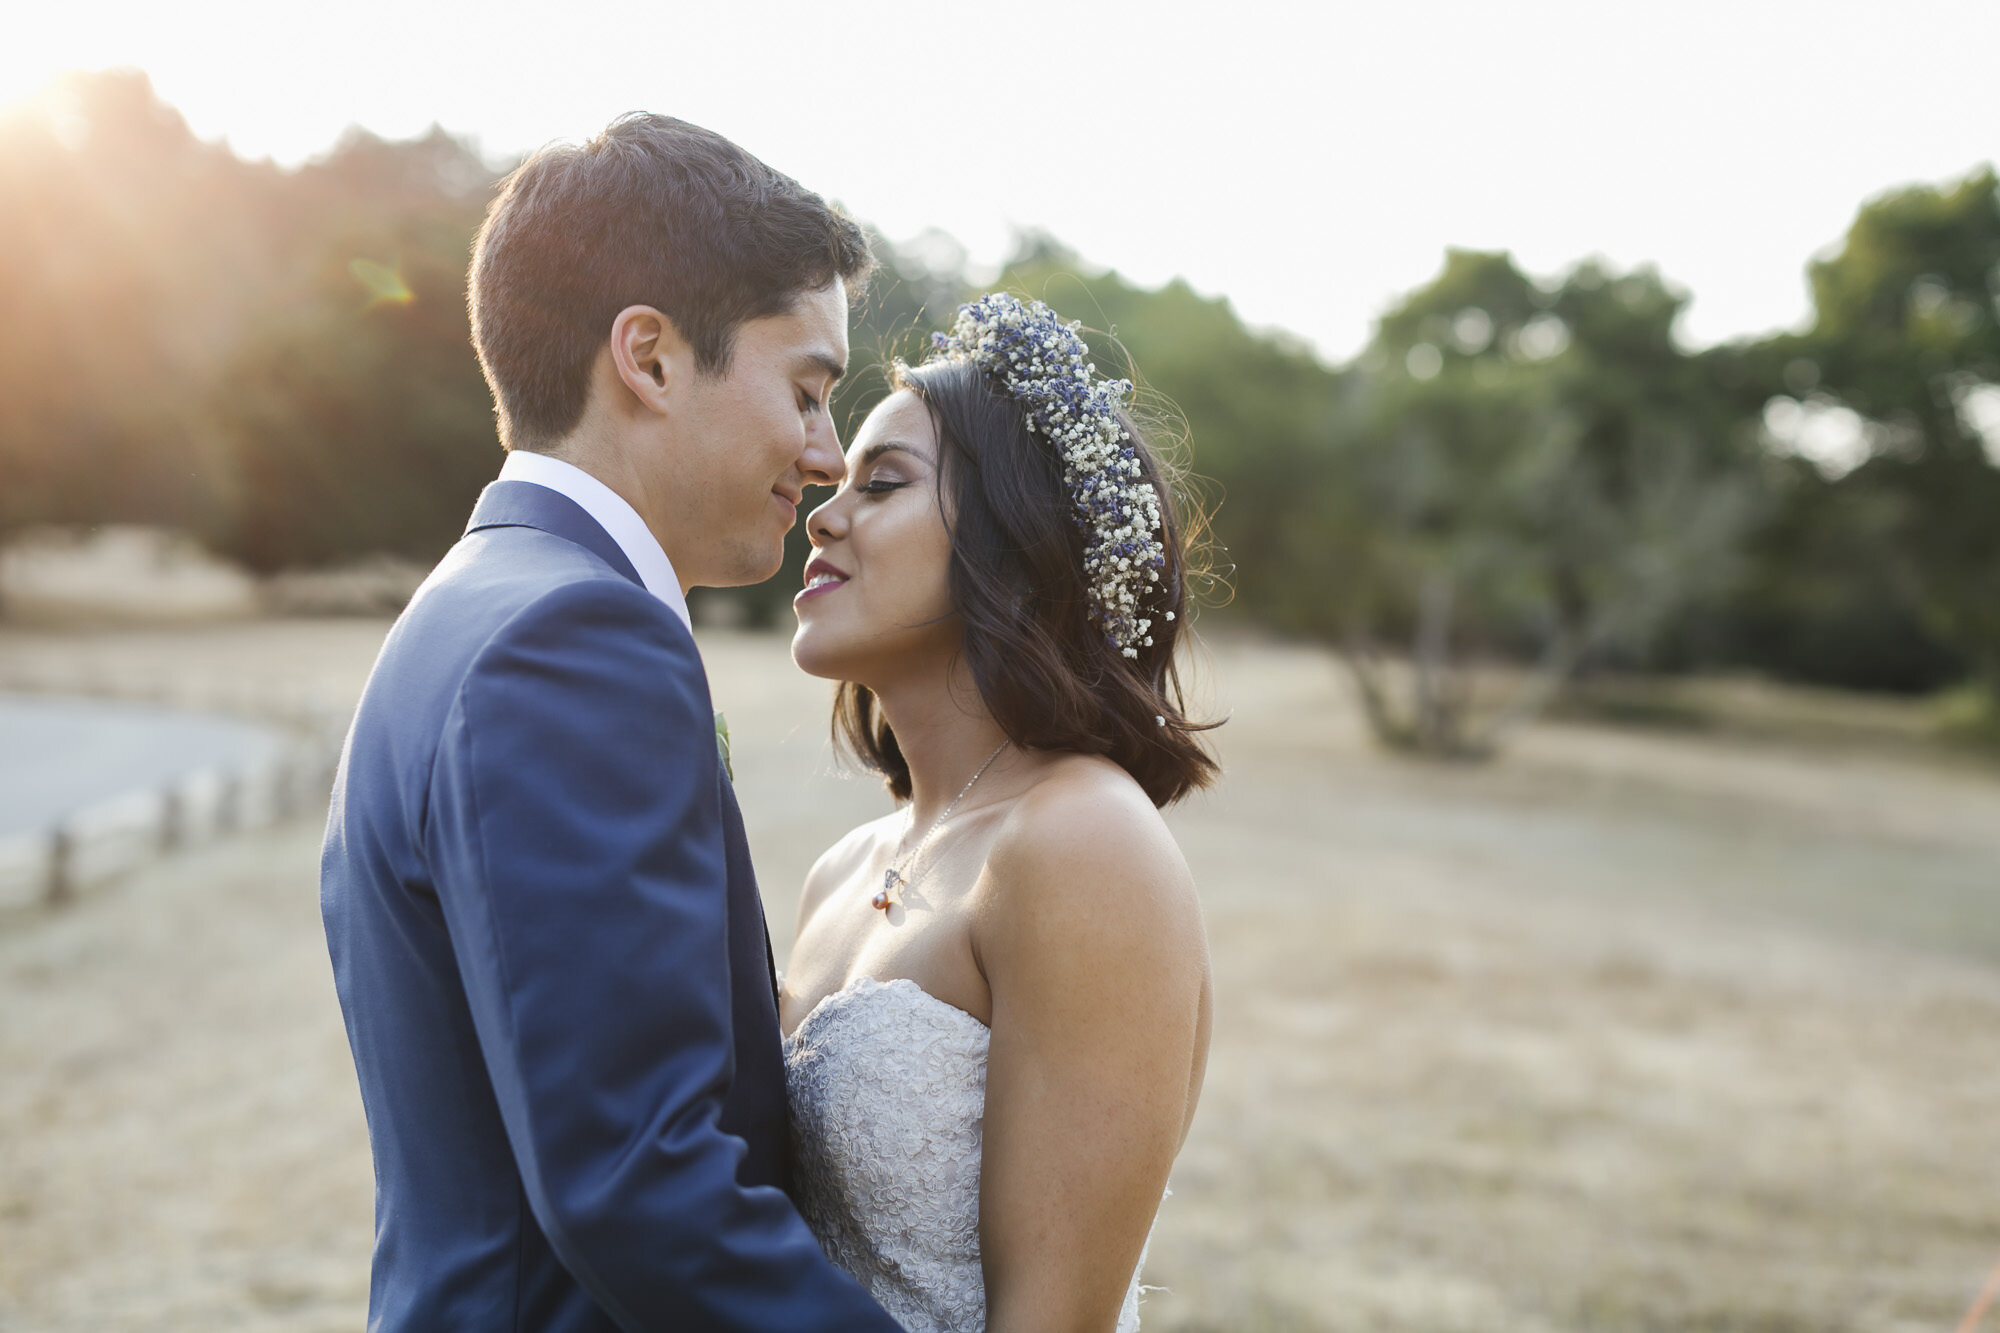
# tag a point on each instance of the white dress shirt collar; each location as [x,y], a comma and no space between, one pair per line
[612,513]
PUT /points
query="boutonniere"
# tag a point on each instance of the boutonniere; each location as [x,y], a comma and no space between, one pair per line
[722,743]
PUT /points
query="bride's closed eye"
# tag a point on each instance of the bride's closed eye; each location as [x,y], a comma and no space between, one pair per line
[880,486]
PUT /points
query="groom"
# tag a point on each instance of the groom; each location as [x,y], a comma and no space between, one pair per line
[545,932]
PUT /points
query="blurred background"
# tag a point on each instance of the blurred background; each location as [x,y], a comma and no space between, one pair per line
[1598,419]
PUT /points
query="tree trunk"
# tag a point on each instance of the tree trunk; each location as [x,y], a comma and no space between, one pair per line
[1358,652]
[1439,697]
[1437,726]
[1558,662]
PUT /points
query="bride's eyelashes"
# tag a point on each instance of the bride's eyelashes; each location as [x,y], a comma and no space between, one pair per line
[880,486]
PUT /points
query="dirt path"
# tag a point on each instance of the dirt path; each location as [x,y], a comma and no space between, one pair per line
[1626,1032]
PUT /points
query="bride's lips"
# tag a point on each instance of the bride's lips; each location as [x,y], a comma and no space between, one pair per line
[822,577]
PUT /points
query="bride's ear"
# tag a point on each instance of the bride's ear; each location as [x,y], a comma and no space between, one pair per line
[650,357]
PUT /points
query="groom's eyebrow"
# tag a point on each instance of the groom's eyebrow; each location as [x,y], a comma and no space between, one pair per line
[826,361]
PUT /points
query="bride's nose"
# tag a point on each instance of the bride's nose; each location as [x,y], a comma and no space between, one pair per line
[828,522]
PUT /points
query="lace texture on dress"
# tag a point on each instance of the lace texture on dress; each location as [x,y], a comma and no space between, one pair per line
[888,1095]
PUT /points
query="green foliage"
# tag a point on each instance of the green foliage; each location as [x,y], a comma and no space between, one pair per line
[1907,334]
[363,372]
[123,284]
[1242,412]
[1245,416]
[276,361]
[1970,716]
[1530,470]
[1526,469]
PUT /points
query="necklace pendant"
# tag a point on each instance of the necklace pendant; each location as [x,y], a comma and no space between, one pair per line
[890,877]
[881,900]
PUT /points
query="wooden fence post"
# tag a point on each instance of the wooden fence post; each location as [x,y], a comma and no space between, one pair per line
[284,787]
[292,784]
[62,865]
[229,803]
[173,818]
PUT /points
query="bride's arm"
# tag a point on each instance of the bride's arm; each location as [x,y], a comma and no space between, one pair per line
[1091,941]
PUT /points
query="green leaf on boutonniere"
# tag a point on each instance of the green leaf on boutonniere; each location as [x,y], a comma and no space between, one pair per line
[722,743]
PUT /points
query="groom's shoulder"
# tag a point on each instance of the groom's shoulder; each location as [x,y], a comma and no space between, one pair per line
[504,585]
[494,576]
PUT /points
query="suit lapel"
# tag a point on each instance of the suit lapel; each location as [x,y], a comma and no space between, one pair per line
[732,812]
[523,504]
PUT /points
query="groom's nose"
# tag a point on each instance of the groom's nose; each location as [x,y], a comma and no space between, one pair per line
[822,463]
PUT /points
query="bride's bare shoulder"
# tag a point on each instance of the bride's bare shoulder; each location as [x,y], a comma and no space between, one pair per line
[1086,847]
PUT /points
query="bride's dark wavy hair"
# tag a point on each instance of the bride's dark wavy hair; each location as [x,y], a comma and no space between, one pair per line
[1042,665]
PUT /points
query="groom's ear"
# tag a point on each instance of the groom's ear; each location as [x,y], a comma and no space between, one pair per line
[649,354]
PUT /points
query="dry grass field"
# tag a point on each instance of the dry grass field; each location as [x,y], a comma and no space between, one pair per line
[1626,1031]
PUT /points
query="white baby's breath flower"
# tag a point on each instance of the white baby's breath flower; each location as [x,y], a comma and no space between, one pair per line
[1040,361]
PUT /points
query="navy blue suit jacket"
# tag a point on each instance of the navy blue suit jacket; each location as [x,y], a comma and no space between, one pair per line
[552,960]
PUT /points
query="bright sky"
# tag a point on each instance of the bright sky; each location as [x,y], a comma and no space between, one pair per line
[1309,161]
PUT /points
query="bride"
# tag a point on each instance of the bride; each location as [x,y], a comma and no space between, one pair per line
[998,1002]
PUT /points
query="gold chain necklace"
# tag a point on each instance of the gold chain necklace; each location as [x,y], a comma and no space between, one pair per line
[894,877]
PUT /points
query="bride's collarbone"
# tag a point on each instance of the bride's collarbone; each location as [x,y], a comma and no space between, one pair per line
[924,938]
[924,935]
[925,888]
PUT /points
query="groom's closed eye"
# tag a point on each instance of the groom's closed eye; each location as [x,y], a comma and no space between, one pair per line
[825,362]
[819,369]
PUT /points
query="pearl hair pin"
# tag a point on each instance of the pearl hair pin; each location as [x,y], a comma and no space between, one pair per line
[894,877]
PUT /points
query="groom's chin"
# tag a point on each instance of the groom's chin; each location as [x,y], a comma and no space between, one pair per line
[747,563]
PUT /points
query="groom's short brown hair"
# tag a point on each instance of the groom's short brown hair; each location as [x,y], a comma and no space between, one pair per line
[653,211]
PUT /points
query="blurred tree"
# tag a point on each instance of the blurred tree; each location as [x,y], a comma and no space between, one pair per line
[190,343]
[130,256]
[354,411]
[1826,596]
[1525,471]
[1509,469]
[1906,334]
[278,361]
[1248,402]
[1244,416]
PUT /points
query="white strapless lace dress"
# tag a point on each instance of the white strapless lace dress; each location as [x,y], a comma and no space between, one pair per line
[888,1093]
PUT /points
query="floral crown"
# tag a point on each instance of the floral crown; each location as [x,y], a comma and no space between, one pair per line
[1041,362]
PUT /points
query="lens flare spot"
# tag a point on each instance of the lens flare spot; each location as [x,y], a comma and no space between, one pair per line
[384,282]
